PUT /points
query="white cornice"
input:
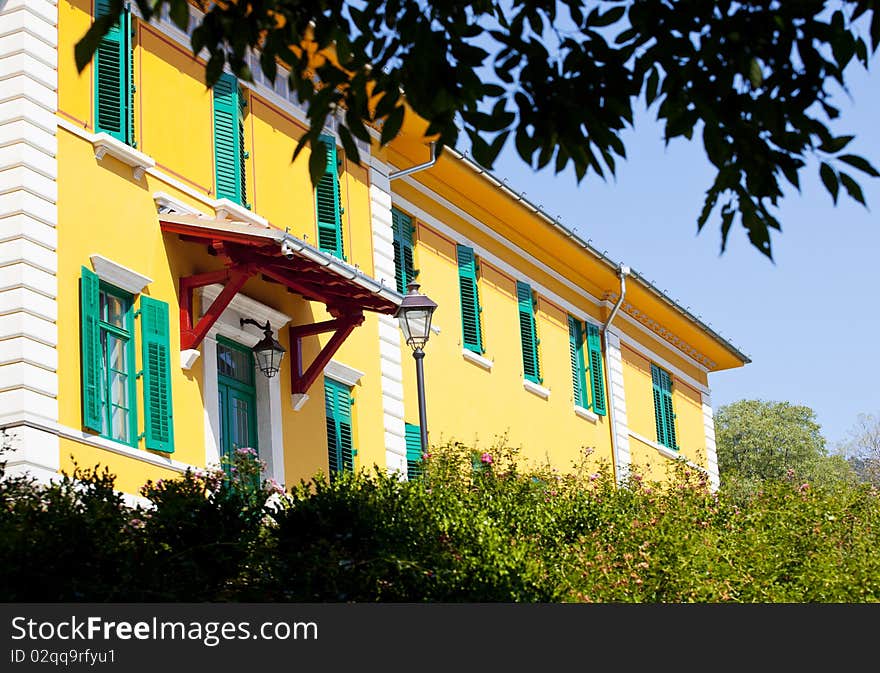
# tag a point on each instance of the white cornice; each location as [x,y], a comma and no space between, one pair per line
[346,375]
[118,275]
[245,307]
[139,162]
[229,210]
[165,203]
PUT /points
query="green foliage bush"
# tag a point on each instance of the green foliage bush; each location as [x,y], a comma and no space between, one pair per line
[476,527]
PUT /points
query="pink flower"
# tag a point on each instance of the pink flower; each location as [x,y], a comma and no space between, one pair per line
[486,458]
[246,451]
[594,476]
[803,488]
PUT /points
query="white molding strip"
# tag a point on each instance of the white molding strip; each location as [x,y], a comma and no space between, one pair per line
[586,414]
[118,275]
[666,452]
[541,289]
[536,389]
[346,375]
[477,359]
[390,356]
[105,144]
[617,413]
[711,446]
[165,203]
[28,242]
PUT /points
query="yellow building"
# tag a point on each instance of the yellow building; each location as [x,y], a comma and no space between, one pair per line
[151,228]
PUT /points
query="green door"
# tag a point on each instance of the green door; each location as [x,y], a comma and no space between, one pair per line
[238,405]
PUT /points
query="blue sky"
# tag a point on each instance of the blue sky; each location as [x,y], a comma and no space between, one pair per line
[809,320]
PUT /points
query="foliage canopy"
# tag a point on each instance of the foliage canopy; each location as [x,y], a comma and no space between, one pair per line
[752,78]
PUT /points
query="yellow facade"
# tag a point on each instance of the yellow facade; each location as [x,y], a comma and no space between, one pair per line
[112,206]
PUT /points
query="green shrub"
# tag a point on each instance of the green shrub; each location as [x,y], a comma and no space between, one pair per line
[478,526]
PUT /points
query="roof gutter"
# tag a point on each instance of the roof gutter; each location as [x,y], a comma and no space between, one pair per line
[537,210]
[420,167]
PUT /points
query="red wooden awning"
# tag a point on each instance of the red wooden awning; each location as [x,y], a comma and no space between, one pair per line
[250,250]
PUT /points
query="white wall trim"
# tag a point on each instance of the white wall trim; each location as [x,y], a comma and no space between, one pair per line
[477,359]
[617,414]
[108,145]
[536,389]
[59,430]
[346,375]
[28,242]
[270,438]
[585,413]
[663,362]
[390,354]
[229,210]
[666,452]
[246,308]
[711,446]
[165,203]
[118,275]
[542,290]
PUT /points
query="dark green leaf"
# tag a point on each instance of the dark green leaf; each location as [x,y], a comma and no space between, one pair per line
[829,178]
[860,163]
[392,125]
[852,188]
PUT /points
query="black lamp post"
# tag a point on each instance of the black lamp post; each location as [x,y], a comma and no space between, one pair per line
[414,315]
[267,351]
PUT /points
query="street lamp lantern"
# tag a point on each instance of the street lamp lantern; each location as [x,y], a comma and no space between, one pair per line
[414,315]
[267,351]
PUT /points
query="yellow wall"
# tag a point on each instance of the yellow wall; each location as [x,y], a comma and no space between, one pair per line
[103,210]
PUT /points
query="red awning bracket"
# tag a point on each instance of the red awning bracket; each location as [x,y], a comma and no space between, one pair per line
[342,326]
[235,277]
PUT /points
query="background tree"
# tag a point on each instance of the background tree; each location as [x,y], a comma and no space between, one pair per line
[753,78]
[761,441]
[862,448]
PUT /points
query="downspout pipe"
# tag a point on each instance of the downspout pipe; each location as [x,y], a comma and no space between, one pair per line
[622,272]
[420,167]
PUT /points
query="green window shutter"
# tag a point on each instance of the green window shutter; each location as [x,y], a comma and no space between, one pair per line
[531,368]
[597,380]
[413,451]
[664,417]
[337,400]
[158,411]
[90,307]
[576,354]
[402,227]
[472,336]
[112,65]
[228,141]
[327,204]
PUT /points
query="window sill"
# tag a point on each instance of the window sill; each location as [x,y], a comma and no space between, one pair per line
[664,450]
[139,162]
[165,203]
[229,210]
[477,359]
[586,414]
[536,389]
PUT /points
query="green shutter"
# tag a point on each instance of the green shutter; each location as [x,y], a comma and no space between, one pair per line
[327,203]
[413,451]
[531,368]
[112,70]
[597,381]
[472,337]
[337,400]
[159,427]
[576,355]
[402,228]
[90,354]
[228,141]
[664,417]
